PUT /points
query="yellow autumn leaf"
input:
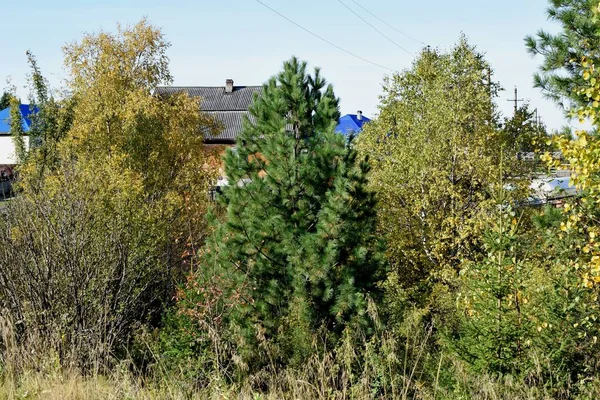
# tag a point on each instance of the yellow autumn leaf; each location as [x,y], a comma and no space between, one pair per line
[586,249]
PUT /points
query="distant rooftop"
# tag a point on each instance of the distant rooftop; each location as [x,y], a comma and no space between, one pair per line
[227,104]
[351,123]
[26,112]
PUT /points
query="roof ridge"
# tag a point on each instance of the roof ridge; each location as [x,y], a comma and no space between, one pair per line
[226,110]
[211,87]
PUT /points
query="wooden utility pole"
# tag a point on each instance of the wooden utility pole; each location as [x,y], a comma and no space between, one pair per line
[516,100]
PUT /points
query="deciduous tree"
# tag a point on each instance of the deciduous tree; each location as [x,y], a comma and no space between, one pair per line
[113,194]
[434,152]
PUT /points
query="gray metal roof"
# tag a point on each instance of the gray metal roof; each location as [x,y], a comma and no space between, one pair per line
[215,98]
[227,108]
[232,125]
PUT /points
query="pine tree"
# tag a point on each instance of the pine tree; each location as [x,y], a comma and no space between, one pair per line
[561,71]
[297,251]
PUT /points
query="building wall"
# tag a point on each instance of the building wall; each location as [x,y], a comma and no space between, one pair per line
[217,151]
[7,150]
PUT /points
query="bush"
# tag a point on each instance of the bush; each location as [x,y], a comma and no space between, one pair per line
[83,263]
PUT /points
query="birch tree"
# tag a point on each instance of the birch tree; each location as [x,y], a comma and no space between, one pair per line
[435,154]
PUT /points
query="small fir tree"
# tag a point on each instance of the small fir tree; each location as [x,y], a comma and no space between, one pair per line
[523,133]
[296,252]
[495,302]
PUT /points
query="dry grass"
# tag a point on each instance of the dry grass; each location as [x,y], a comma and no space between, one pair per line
[380,372]
[74,387]
[285,385]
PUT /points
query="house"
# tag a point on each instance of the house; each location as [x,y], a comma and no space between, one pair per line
[351,123]
[7,148]
[551,190]
[227,104]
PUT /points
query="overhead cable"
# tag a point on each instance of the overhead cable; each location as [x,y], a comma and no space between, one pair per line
[322,38]
[375,28]
[388,24]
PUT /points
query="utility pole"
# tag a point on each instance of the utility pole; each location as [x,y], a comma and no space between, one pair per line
[538,121]
[516,100]
[489,78]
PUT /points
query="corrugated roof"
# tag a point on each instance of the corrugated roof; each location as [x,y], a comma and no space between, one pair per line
[232,125]
[215,98]
[227,108]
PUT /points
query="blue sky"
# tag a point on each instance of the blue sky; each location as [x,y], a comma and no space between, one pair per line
[240,39]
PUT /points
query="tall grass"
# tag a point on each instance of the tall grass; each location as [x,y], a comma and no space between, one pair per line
[383,367]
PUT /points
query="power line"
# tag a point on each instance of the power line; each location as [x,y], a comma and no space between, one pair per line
[323,39]
[389,25]
[375,29]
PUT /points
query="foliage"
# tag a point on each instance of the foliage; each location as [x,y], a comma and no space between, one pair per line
[534,297]
[297,252]
[161,139]
[434,152]
[568,339]
[16,129]
[50,121]
[523,137]
[520,309]
[486,297]
[574,239]
[342,374]
[112,195]
[522,133]
[582,154]
[561,73]
[5,100]
[85,261]
[494,302]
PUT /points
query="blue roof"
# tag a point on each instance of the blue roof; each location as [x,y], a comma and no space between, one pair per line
[25,122]
[350,123]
